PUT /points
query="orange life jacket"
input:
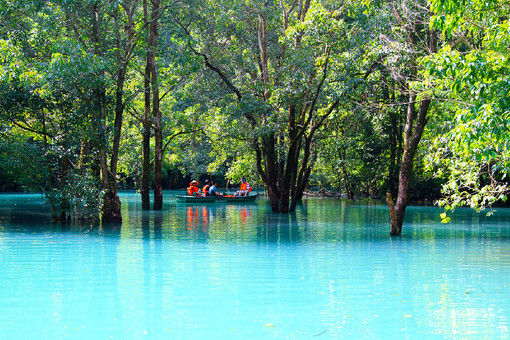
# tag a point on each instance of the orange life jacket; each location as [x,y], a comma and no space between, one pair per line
[245,186]
[192,190]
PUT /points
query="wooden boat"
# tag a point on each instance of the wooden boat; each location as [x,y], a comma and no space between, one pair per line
[216,199]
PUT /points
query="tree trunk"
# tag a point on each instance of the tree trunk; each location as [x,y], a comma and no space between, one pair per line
[111,212]
[158,131]
[147,125]
[146,143]
[111,203]
[413,130]
[274,198]
[284,198]
[412,136]
[111,208]
[270,174]
[391,205]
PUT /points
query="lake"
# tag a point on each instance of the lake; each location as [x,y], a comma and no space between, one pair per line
[330,270]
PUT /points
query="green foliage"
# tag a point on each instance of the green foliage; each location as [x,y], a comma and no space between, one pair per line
[52,69]
[22,163]
[472,71]
[77,196]
[230,152]
[50,77]
[352,154]
[314,58]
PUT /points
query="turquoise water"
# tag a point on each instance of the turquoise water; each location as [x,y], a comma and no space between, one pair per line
[240,272]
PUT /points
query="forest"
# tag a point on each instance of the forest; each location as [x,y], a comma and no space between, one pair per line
[404,100]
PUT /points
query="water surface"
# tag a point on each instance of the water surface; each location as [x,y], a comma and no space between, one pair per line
[327,271]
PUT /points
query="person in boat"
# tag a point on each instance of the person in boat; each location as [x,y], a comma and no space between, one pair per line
[245,188]
[213,191]
[193,189]
[206,188]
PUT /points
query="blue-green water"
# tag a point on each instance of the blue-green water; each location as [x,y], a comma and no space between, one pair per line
[328,271]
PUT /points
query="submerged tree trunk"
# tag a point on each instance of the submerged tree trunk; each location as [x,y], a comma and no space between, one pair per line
[412,136]
[112,204]
[146,142]
[146,127]
[391,205]
[158,129]
[421,40]
[111,207]
[111,210]
[124,53]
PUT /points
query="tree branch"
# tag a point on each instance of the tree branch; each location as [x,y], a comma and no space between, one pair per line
[218,72]
[175,135]
[27,128]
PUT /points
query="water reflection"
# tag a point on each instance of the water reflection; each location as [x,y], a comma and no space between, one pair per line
[210,222]
[229,271]
[315,220]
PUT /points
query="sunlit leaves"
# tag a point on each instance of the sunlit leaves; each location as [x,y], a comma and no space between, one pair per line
[473,71]
[10,55]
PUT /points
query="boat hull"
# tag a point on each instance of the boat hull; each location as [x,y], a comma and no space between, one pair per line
[216,199]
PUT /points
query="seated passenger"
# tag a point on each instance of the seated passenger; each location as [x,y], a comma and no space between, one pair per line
[213,191]
[245,188]
[206,187]
[193,189]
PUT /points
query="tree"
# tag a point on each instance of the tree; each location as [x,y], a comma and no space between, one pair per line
[410,18]
[470,73]
[161,55]
[107,33]
[284,72]
[158,129]
[35,105]
[83,53]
